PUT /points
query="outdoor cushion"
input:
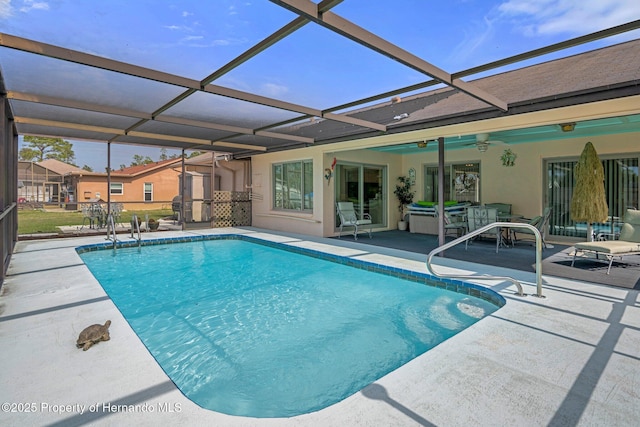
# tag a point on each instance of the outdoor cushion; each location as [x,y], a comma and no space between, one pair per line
[613,247]
[628,243]
[630,230]
[424,203]
[632,216]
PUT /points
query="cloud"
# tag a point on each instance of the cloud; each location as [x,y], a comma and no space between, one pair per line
[5,9]
[30,5]
[178,28]
[554,17]
[475,37]
[273,90]
[549,19]
[192,38]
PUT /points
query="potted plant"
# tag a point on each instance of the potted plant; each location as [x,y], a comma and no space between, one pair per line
[153,224]
[405,197]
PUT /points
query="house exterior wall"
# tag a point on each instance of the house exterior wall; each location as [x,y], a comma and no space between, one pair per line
[520,185]
[165,187]
[90,187]
[230,176]
[321,222]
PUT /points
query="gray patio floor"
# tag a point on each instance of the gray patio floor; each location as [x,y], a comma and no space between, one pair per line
[572,358]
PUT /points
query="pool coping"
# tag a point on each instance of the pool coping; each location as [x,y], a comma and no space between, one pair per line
[572,358]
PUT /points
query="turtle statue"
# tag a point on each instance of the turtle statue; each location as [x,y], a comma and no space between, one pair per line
[92,335]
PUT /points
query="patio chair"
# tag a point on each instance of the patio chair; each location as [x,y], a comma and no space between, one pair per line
[478,217]
[349,218]
[628,242]
[453,224]
[540,222]
[503,208]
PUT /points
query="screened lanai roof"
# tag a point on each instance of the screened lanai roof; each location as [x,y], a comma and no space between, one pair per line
[67,86]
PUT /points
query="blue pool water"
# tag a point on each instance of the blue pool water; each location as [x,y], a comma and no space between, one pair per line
[247,329]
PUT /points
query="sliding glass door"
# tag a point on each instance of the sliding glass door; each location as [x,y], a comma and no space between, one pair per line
[621,190]
[364,186]
[461,182]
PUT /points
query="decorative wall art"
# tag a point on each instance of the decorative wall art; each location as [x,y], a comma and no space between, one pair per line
[508,157]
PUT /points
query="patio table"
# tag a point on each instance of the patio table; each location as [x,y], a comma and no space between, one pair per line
[507,240]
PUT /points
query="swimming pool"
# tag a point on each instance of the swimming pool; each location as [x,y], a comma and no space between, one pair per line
[250,329]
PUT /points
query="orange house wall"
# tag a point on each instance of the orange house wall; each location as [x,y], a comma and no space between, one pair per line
[165,188]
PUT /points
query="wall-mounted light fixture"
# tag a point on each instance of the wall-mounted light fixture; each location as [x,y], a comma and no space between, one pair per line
[567,127]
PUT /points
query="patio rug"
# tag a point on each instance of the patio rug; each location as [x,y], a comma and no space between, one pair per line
[556,261]
[624,273]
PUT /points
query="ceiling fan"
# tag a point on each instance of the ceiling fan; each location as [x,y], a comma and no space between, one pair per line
[482,142]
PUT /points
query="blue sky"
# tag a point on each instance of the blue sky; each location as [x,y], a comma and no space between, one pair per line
[314,67]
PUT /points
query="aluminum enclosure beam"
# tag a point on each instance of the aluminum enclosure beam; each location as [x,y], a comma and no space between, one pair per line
[353,32]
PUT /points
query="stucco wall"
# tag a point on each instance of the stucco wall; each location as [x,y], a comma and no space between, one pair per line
[165,187]
[520,185]
[321,222]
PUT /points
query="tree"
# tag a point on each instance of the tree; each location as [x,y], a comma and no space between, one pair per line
[163,154]
[138,160]
[588,202]
[29,155]
[87,168]
[41,148]
[63,151]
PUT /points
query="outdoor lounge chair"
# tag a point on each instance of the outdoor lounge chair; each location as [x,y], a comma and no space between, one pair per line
[627,244]
[349,218]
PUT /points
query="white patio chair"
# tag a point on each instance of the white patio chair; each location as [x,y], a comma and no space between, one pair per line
[540,222]
[457,224]
[349,218]
[478,217]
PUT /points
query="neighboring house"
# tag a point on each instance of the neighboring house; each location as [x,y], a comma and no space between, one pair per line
[155,185]
[555,108]
[144,187]
[44,182]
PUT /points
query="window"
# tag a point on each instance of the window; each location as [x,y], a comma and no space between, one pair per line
[148,192]
[462,182]
[620,186]
[293,185]
[117,188]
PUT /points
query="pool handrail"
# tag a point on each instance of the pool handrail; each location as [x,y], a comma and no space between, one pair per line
[111,230]
[135,227]
[485,229]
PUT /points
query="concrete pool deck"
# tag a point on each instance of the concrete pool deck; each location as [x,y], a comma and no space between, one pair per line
[572,358]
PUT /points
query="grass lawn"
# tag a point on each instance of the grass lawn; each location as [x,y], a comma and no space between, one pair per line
[39,221]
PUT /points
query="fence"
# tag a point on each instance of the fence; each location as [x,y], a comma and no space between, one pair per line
[231,209]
